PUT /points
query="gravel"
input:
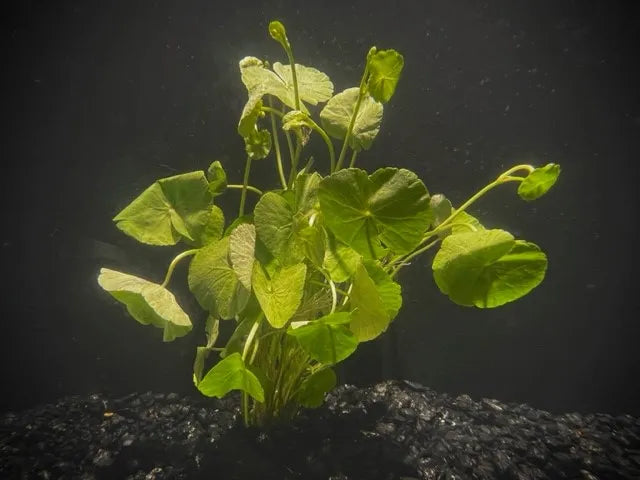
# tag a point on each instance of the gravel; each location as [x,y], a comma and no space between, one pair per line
[393,430]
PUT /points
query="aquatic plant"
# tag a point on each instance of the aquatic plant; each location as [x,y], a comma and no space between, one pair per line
[311,272]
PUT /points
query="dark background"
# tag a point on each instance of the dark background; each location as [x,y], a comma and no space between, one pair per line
[102,98]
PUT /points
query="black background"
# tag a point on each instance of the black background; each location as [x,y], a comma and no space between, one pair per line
[102,98]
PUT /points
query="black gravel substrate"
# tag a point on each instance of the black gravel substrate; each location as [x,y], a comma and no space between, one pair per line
[393,430]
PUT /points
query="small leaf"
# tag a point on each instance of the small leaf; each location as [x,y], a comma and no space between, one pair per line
[242,245]
[370,317]
[214,283]
[327,339]
[258,144]
[385,67]
[250,114]
[539,182]
[229,374]
[487,268]
[170,208]
[276,228]
[390,206]
[441,208]
[295,119]
[314,388]
[217,178]
[147,302]
[202,353]
[279,296]
[336,117]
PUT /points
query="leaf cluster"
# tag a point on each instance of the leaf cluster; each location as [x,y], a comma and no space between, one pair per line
[310,272]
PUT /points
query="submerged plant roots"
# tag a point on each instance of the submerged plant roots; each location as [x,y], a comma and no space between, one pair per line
[307,271]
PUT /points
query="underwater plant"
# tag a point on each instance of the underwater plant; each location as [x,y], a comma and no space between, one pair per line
[311,272]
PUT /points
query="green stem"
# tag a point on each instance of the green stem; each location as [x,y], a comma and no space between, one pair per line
[412,255]
[327,140]
[276,142]
[245,184]
[248,187]
[174,262]
[294,75]
[294,163]
[270,109]
[352,163]
[352,122]
[247,343]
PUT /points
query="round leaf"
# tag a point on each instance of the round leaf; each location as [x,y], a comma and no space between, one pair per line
[337,113]
[313,85]
[487,268]
[276,228]
[390,206]
[258,144]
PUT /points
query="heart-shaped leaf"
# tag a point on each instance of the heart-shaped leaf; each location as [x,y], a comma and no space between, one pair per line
[277,229]
[279,296]
[229,374]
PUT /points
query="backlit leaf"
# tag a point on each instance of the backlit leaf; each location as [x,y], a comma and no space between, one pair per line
[279,296]
[385,67]
[242,245]
[229,374]
[370,317]
[538,182]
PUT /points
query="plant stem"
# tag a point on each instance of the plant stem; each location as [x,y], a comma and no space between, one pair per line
[353,116]
[245,184]
[352,163]
[294,163]
[270,109]
[174,262]
[276,142]
[247,343]
[327,140]
[412,255]
[248,187]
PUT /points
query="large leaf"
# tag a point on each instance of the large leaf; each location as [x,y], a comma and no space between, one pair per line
[277,228]
[390,206]
[313,85]
[327,340]
[147,302]
[314,388]
[538,182]
[279,296]
[171,208]
[337,113]
[487,268]
[385,67]
[214,283]
[242,245]
[370,317]
[229,374]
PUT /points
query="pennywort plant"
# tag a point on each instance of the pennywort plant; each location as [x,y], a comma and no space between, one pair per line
[311,272]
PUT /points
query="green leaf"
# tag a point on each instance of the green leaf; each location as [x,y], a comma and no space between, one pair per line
[170,208]
[250,114]
[327,339]
[390,291]
[217,178]
[202,353]
[242,245]
[487,268]
[314,388]
[313,86]
[258,144]
[229,374]
[340,260]
[279,296]
[214,283]
[336,117]
[385,67]
[212,229]
[370,317]
[312,239]
[306,190]
[538,182]
[147,302]
[277,229]
[441,208]
[239,336]
[390,206]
